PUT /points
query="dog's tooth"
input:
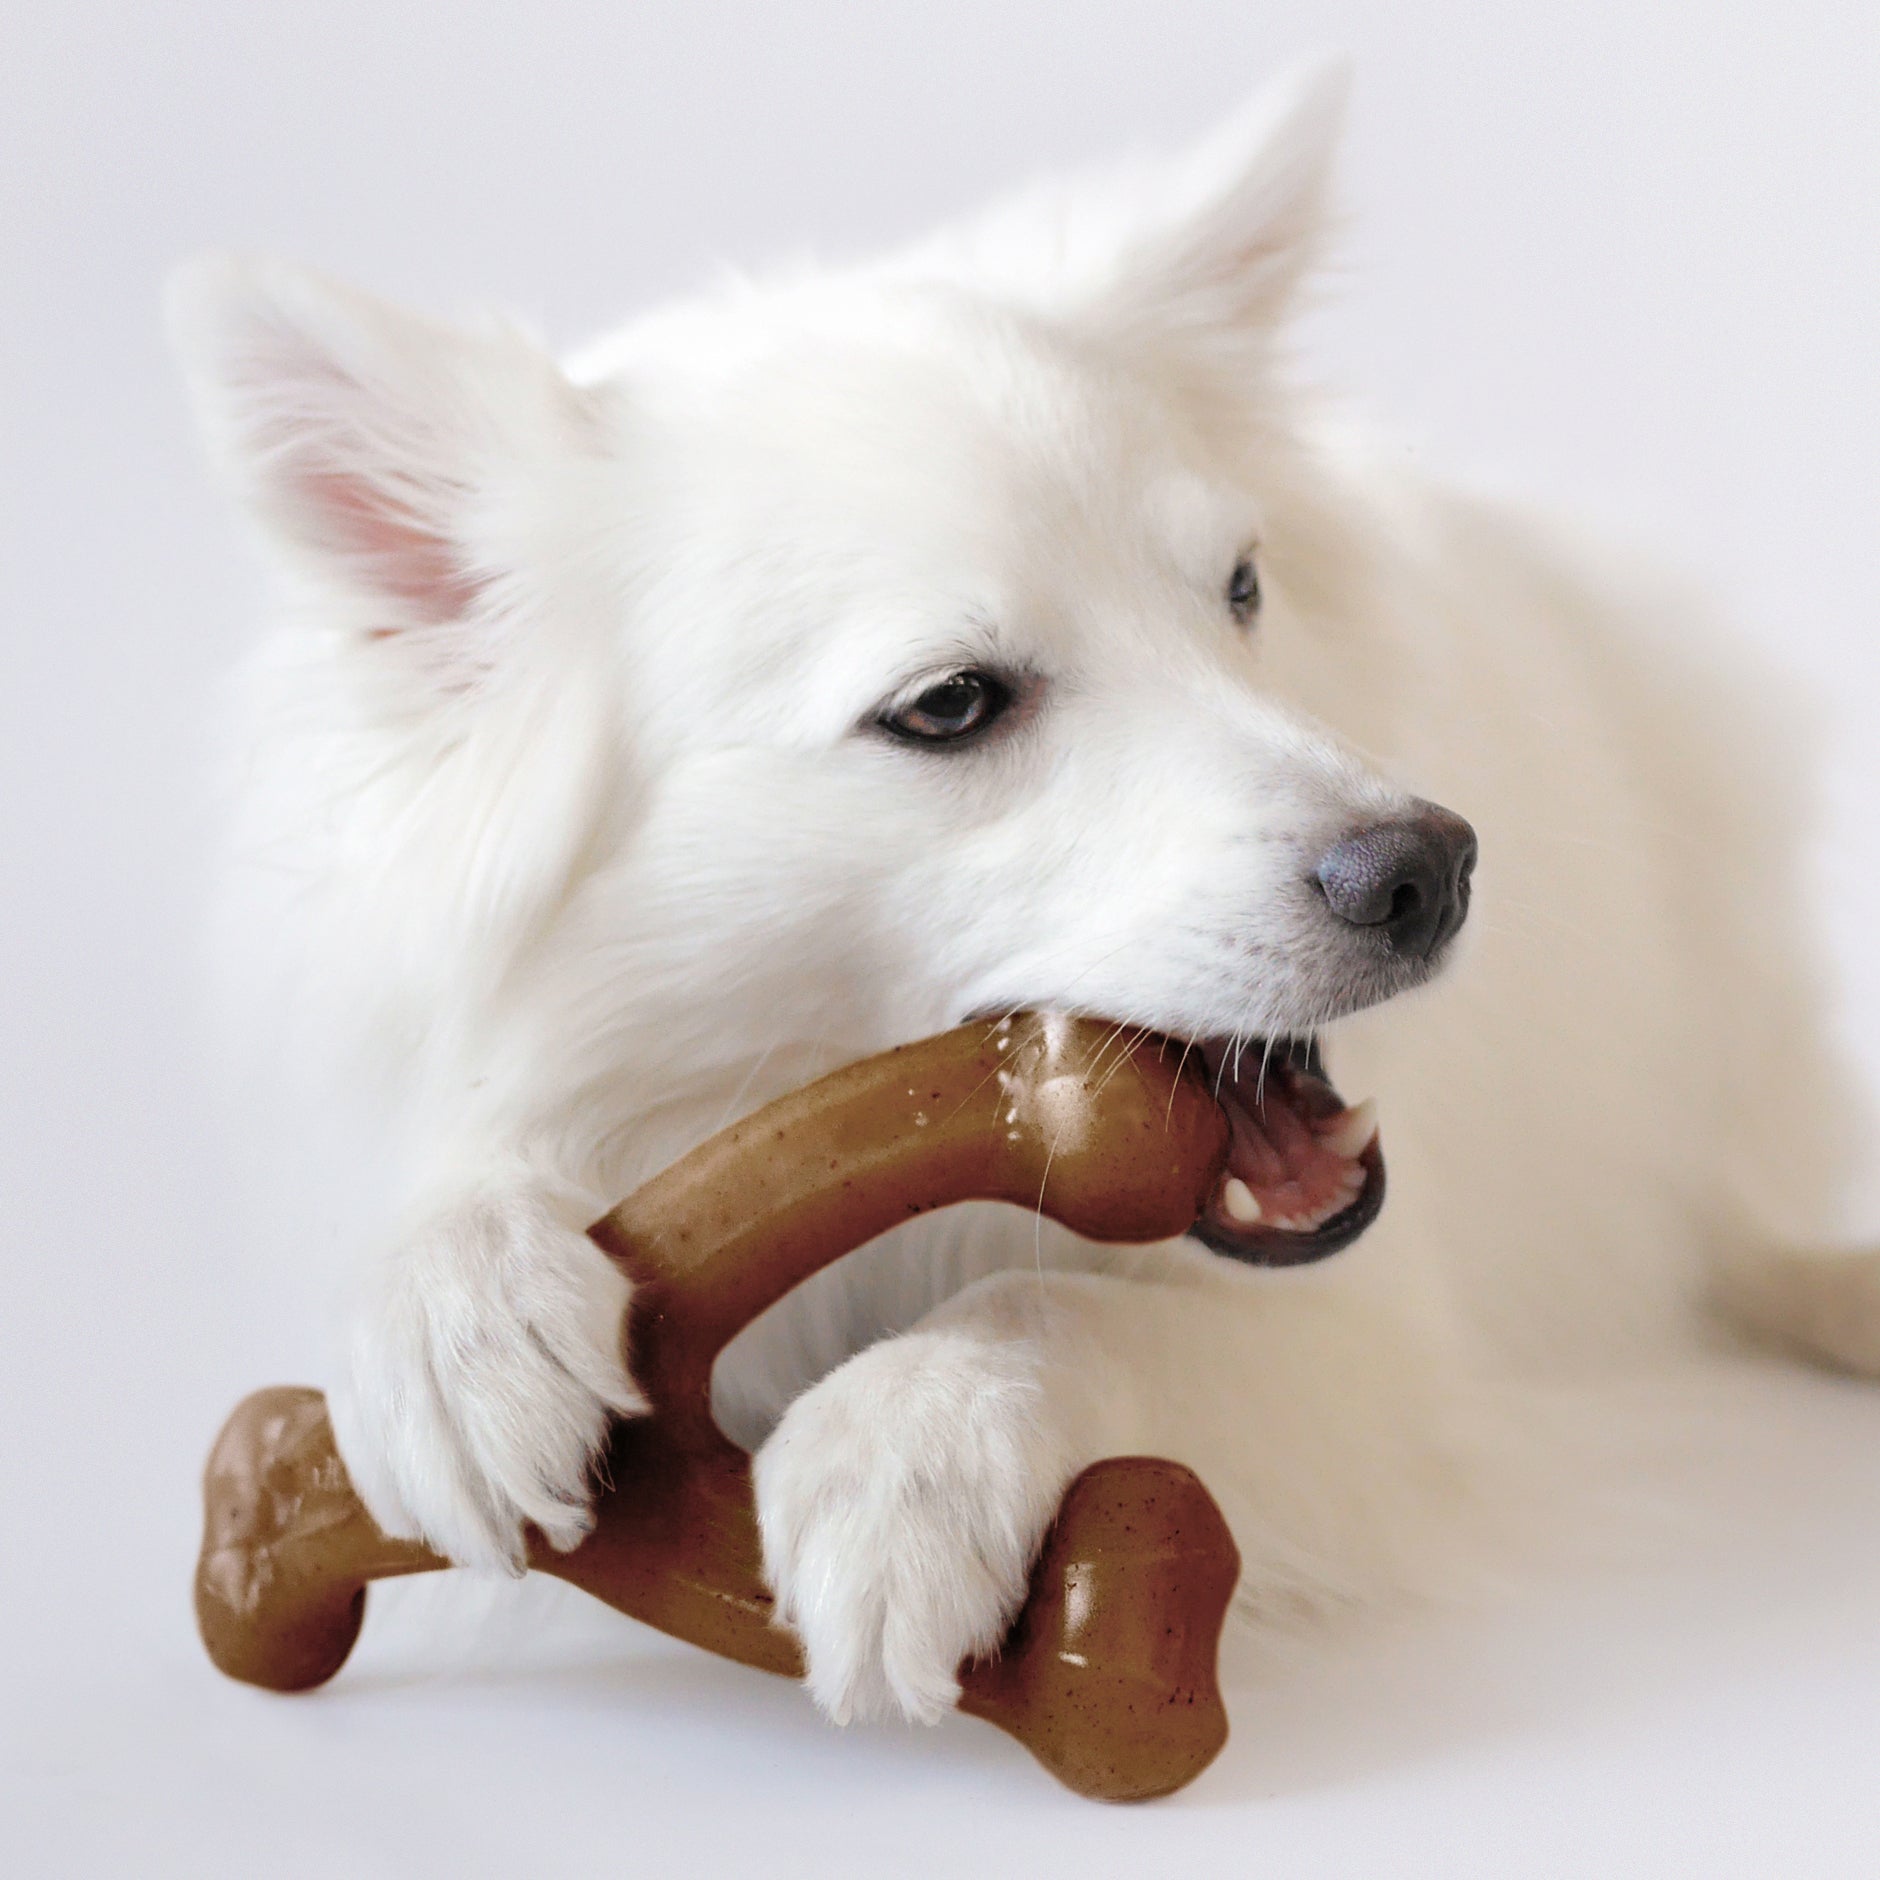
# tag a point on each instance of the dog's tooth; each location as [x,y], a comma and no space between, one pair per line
[1350,1135]
[1240,1202]
[1311,1219]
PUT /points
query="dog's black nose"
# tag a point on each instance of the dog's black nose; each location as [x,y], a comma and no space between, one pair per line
[1407,879]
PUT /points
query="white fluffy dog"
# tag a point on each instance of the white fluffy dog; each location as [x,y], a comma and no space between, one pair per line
[809,667]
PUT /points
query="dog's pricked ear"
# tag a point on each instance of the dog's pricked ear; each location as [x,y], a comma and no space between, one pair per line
[386,455]
[1243,216]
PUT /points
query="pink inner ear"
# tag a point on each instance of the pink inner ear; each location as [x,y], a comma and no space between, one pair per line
[399,555]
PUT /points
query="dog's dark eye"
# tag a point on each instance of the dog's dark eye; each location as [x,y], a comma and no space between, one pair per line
[1243,590]
[952,709]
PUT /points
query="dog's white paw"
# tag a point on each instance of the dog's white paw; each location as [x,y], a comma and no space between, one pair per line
[484,1367]
[901,1502]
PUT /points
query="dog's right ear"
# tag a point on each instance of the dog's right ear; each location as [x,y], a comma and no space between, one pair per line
[403,467]
[439,740]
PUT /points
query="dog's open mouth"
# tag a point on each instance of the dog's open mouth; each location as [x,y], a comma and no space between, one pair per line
[1305,1175]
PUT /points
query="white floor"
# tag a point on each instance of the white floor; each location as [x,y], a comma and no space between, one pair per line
[1711,1710]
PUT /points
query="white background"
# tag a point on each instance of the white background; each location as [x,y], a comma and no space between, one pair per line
[1621,255]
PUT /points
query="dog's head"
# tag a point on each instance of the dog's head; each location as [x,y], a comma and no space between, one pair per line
[825,663]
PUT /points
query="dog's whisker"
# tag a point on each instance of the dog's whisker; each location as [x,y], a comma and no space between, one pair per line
[750,1077]
[1182,1065]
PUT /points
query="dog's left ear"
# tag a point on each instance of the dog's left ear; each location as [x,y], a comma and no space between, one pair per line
[1241,220]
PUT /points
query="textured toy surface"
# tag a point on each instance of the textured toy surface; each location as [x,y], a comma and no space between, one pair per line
[1108,1673]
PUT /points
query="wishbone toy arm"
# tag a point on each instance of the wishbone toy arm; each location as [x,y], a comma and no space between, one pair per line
[1118,1141]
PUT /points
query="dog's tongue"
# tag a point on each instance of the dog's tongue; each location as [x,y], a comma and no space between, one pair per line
[1297,1155]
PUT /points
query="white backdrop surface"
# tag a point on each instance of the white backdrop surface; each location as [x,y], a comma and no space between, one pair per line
[1623,256]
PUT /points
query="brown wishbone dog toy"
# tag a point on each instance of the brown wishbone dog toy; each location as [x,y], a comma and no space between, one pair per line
[1108,1673]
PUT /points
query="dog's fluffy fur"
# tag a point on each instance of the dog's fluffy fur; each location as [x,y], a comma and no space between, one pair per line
[572,741]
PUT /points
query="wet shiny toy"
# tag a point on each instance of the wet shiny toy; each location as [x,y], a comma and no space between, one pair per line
[1108,1673]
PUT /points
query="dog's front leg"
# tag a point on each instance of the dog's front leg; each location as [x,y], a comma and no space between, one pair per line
[484,1363]
[903,1498]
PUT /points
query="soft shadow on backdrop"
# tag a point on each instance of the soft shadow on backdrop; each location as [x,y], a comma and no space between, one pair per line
[1625,257]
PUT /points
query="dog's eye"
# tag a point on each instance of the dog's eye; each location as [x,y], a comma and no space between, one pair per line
[1243,590]
[952,709]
